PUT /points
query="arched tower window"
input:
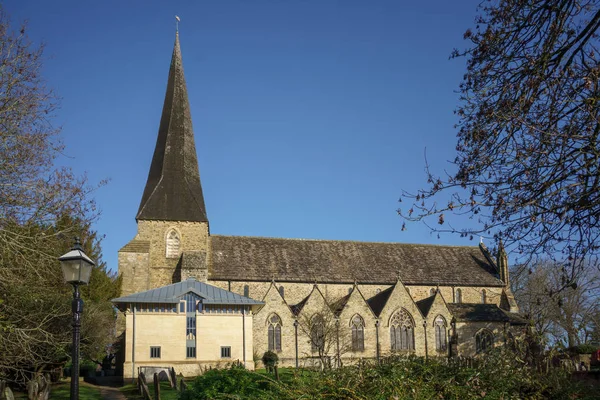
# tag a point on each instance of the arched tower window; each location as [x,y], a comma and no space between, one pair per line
[441,343]
[458,296]
[402,336]
[484,340]
[282,291]
[173,244]
[431,291]
[358,333]
[317,334]
[274,333]
[483,296]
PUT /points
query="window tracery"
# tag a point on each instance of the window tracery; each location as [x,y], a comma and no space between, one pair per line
[274,333]
[440,326]
[358,333]
[402,331]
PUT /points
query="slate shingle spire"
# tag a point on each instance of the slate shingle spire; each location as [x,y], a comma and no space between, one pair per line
[173,191]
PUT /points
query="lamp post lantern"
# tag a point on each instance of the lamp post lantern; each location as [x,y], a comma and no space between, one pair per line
[77,269]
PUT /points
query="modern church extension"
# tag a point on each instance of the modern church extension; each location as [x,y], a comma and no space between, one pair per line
[192,299]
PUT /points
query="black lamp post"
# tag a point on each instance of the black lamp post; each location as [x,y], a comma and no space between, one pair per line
[77,269]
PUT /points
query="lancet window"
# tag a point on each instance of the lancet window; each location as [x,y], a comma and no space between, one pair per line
[484,340]
[458,296]
[173,244]
[317,334]
[358,333]
[441,341]
[274,333]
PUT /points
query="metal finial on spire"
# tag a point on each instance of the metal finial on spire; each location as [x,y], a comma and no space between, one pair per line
[177,21]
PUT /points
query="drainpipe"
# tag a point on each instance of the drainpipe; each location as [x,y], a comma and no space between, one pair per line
[296,329]
[133,347]
[337,340]
[426,349]
[377,338]
[244,334]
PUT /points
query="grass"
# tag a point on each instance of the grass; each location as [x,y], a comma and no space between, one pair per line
[166,393]
[62,391]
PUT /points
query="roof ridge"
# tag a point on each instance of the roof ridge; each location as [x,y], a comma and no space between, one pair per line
[343,241]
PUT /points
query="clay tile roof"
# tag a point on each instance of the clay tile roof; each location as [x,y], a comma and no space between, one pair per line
[378,301]
[136,246]
[173,191]
[324,261]
[425,304]
[173,294]
[477,312]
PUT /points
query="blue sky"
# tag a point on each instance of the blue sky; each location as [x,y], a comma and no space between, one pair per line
[310,116]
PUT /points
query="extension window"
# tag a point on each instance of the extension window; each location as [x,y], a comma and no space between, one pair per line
[225,351]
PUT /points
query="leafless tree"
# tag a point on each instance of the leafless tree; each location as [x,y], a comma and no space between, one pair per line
[527,168]
[328,340]
[41,208]
[560,314]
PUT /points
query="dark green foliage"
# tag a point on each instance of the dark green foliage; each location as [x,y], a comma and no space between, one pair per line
[270,359]
[583,349]
[235,382]
[501,375]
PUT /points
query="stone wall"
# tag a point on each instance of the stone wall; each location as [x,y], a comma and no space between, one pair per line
[294,292]
[152,269]
[466,332]
[135,271]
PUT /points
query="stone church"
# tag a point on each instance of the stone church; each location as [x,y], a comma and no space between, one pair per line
[192,299]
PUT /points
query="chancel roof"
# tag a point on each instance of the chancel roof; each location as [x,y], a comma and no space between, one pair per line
[173,294]
[333,261]
[173,191]
[477,312]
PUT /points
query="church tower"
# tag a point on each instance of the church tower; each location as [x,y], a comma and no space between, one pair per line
[172,217]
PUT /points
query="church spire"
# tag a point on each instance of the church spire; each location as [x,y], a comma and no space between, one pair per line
[173,191]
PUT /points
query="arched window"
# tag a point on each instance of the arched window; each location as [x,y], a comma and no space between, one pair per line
[402,331]
[317,334]
[441,343]
[173,242]
[458,296]
[358,333]
[282,291]
[483,296]
[246,291]
[431,291]
[484,340]
[274,333]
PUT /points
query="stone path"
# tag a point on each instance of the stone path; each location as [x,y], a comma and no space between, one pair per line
[111,393]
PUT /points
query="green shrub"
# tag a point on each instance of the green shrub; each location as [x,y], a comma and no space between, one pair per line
[234,382]
[583,349]
[270,359]
[500,375]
